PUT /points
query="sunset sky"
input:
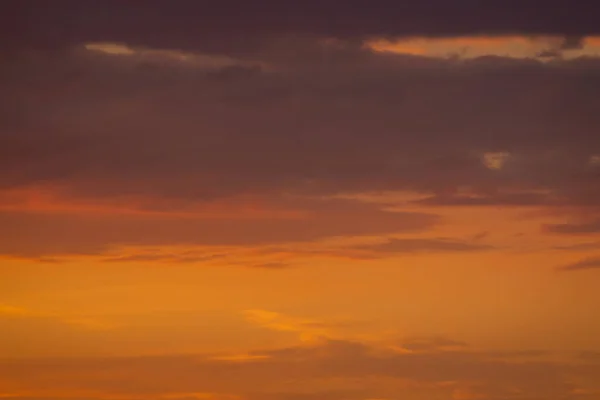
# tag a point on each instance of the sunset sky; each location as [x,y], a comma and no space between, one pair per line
[299,200]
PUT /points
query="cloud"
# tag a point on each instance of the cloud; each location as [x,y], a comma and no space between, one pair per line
[171,57]
[311,395]
[168,134]
[325,367]
[572,42]
[272,265]
[370,248]
[307,329]
[96,396]
[579,246]
[136,145]
[432,344]
[580,228]
[546,48]
[193,26]
[26,234]
[422,245]
[589,263]
[184,257]
[285,255]
[523,199]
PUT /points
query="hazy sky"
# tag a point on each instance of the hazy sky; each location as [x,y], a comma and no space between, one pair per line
[299,200]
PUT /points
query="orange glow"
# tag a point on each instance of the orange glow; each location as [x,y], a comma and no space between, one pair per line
[476,46]
[44,200]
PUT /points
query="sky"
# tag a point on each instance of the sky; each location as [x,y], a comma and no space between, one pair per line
[311,200]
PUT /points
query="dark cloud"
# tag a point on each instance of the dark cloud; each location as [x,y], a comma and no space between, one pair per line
[579,246]
[481,235]
[425,245]
[189,258]
[166,132]
[432,344]
[101,126]
[272,265]
[567,43]
[35,234]
[572,43]
[241,24]
[590,355]
[589,263]
[581,228]
[493,199]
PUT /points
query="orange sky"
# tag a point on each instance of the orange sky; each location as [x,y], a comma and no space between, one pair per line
[138,267]
[506,299]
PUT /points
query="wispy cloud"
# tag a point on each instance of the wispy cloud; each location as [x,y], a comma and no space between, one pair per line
[588,263]
[75,321]
[307,329]
[575,228]
[321,367]
[423,245]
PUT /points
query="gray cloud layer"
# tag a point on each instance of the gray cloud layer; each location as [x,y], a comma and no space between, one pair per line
[307,118]
[242,25]
[102,126]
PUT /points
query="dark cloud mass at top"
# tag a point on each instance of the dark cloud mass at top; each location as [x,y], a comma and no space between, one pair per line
[101,125]
[187,102]
[193,24]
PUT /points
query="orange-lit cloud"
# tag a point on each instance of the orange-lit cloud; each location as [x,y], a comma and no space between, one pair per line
[299,201]
[499,46]
[307,329]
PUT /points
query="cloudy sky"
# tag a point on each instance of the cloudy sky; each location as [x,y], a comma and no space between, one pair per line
[299,200]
